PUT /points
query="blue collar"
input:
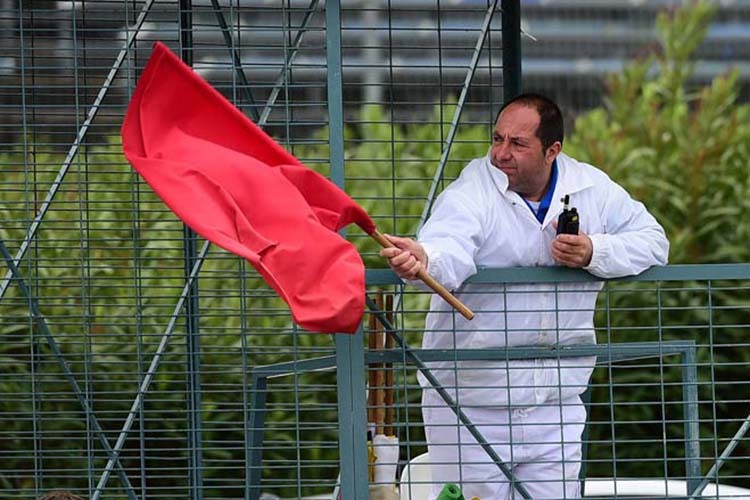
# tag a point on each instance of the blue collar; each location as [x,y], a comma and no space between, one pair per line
[544,203]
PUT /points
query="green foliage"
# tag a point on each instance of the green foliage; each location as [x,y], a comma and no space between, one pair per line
[684,152]
[107,269]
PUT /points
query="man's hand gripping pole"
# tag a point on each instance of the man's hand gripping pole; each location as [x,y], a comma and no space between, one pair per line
[430,281]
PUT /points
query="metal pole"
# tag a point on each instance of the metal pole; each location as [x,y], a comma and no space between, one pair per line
[511,25]
[192,323]
[350,353]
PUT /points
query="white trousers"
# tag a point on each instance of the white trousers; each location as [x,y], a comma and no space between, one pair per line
[540,445]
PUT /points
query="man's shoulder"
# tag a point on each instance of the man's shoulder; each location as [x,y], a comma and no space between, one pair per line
[582,170]
[565,161]
[475,167]
[473,175]
[473,186]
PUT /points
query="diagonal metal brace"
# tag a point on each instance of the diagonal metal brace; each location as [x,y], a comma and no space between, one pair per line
[41,324]
[427,373]
[236,61]
[448,143]
[714,472]
[288,62]
[151,373]
[73,151]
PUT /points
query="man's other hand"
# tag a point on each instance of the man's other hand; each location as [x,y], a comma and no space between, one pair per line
[572,250]
[407,258]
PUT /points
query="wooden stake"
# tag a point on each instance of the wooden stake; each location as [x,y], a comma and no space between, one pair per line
[379,375]
[388,428]
[371,370]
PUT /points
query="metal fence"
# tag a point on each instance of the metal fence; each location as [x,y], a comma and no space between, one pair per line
[137,362]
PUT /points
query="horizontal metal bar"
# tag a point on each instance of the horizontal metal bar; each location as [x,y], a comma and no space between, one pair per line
[606,353]
[682,272]
[305,365]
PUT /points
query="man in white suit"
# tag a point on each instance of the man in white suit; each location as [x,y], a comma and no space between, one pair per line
[502,212]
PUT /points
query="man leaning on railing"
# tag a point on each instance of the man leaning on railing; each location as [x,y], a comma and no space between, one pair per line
[503,211]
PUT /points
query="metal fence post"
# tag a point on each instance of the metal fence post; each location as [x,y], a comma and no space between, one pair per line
[511,24]
[192,310]
[691,416]
[350,378]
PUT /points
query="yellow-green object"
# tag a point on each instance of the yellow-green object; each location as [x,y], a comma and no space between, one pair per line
[450,492]
[371,458]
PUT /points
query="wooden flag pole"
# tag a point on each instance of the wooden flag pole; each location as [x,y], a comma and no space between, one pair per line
[430,281]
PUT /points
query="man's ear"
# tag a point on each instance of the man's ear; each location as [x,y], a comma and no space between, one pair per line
[552,151]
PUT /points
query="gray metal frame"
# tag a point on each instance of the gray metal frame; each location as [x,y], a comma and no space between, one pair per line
[351,358]
[353,458]
[605,354]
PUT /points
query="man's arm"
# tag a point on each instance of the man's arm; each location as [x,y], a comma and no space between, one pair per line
[632,241]
[447,244]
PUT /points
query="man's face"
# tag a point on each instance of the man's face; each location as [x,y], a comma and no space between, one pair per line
[518,153]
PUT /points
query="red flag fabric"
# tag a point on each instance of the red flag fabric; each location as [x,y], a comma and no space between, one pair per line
[233,185]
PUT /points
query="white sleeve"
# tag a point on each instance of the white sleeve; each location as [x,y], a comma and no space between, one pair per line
[632,240]
[451,237]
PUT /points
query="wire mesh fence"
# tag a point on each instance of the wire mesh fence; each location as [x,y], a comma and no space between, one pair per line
[137,362]
[663,376]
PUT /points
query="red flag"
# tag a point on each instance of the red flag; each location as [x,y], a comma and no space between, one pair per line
[232,184]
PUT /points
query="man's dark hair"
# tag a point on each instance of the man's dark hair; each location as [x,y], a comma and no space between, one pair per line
[551,126]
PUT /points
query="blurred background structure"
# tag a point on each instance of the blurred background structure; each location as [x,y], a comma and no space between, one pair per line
[138,362]
[404,54]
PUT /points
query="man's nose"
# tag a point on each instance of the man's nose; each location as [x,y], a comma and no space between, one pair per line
[501,150]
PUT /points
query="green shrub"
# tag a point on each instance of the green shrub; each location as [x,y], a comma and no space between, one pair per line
[107,269]
[684,152]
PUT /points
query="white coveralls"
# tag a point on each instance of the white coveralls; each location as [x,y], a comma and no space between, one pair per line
[530,410]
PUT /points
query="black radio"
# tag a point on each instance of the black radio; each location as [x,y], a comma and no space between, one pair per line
[567,223]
